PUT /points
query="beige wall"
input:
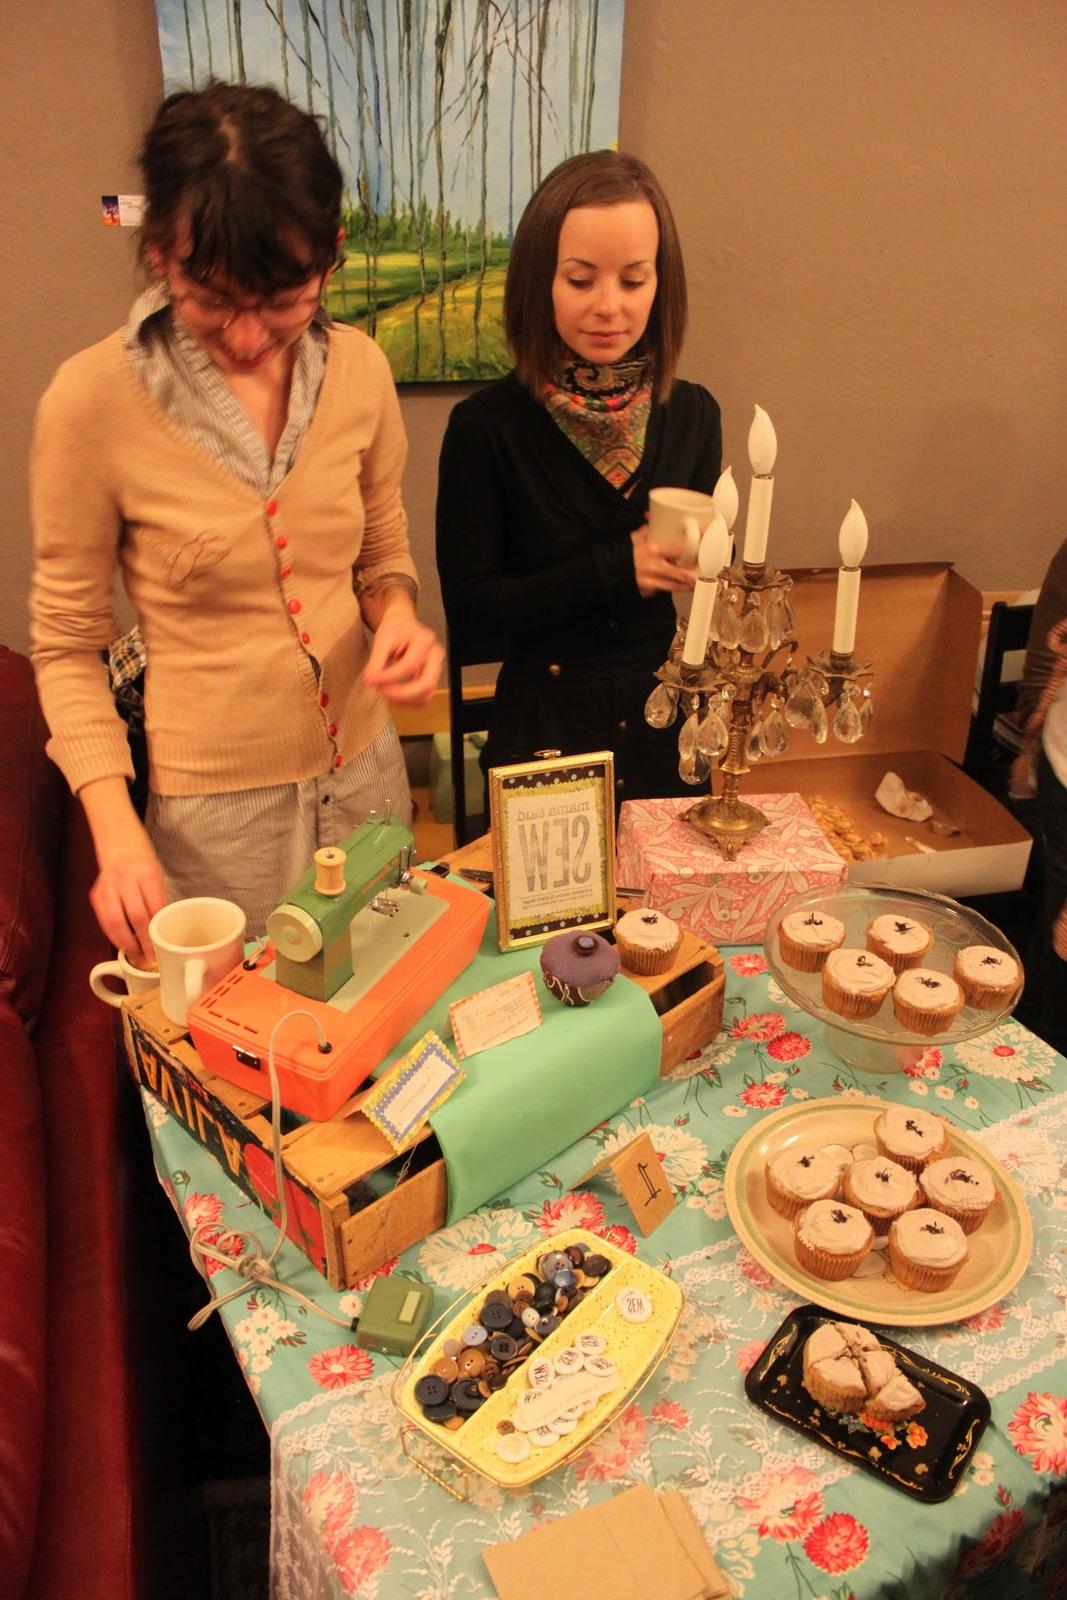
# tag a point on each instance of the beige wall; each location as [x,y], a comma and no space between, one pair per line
[872,203]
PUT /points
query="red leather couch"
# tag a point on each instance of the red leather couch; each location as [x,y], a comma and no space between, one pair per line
[69,1467]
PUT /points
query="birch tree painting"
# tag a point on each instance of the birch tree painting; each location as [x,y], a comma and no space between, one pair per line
[444,115]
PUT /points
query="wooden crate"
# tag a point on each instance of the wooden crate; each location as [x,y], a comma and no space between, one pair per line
[346,1211]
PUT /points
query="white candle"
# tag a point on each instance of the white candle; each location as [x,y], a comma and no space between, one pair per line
[724,495]
[711,558]
[852,543]
[762,450]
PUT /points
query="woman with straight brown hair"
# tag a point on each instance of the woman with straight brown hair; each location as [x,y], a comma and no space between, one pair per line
[544,478]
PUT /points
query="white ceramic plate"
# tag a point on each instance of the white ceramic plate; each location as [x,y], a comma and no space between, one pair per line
[998,1251]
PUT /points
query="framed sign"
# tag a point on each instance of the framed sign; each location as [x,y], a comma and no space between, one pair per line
[553,826]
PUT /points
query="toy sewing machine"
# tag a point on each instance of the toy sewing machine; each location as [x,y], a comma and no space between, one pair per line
[365,942]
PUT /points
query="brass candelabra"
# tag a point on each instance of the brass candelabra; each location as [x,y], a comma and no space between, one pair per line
[740,702]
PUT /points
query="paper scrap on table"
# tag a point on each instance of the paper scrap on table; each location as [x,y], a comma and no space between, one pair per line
[492,1016]
[899,801]
[639,1545]
[415,1085]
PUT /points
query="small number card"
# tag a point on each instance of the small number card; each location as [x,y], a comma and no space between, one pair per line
[416,1084]
[492,1016]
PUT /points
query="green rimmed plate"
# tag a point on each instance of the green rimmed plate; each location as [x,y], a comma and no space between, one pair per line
[998,1251]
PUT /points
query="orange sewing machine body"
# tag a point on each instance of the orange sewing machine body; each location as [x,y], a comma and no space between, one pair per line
[365,943]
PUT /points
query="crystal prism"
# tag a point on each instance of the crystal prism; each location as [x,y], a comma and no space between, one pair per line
[712,736]
[661,707]
[687,739]
[847,724]
[866,710]
[800,707]
[729,627]
[774,735]
[693,768]
[776,621]
[753,634]
[753,748]
[820,727]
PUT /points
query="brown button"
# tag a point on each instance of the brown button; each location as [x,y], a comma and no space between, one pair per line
[619,784]
[471,1363]
[446,1368]
[622,727]
[554,670]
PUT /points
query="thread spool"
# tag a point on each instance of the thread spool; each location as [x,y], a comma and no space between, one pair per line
[329,870]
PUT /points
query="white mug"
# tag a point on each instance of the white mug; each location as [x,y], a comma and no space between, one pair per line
[676,519]
[196,943]
[138,980]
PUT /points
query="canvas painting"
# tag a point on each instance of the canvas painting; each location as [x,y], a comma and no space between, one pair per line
[443,115]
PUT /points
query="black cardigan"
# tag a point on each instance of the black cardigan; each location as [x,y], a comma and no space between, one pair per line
[535,559]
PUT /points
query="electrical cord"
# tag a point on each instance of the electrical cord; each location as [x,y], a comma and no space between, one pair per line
[250,1264]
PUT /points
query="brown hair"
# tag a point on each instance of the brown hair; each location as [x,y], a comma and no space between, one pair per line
[598,178]
[251,178]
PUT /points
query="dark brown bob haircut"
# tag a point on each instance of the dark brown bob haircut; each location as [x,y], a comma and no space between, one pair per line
[249,177]
[599,178]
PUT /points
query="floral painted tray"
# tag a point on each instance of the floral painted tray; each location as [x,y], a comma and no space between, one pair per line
[925,1457]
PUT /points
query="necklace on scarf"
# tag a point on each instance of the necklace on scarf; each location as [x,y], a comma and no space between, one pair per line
[604,412]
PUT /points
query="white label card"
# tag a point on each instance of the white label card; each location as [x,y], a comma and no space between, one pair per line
[492,1016]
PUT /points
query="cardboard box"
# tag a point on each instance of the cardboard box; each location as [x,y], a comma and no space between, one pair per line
[919,623]
[346,1211]
[684,875]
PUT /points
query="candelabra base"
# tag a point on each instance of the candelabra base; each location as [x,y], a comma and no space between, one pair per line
[726,821]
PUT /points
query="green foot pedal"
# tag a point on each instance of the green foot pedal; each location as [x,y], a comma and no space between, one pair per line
[395,1315]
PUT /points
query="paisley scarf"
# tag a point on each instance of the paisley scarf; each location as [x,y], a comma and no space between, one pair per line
[604,412]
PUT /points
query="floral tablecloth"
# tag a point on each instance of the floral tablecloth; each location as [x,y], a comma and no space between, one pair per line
[351,1516]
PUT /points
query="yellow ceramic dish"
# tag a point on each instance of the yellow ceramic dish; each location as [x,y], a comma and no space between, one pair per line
[634,1348]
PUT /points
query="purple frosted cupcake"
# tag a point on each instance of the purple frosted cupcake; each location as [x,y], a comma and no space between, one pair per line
[578,967]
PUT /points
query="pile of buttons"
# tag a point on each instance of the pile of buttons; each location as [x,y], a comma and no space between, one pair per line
[509,1325]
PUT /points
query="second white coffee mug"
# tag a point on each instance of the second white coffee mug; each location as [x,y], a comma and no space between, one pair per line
[676,519]
[138,980]
[196,943]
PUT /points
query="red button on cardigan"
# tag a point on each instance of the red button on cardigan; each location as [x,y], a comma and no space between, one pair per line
[271,508]
[295,606]
[324,699]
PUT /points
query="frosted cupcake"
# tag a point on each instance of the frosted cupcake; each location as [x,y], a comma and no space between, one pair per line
[796,1177]
[961,1188]
[925,1001]
[881,1189]
[988,977]
[902,941]
[926,1249]
[646,941]
[910,1137]
[855,982]
[806,938]
[831,1239]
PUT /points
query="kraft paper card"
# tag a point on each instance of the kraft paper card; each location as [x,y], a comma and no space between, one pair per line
[626,1548]
[493,1016]
[416,1084]
[639,1173]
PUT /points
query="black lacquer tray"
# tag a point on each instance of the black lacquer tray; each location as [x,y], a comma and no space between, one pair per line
[927,1456]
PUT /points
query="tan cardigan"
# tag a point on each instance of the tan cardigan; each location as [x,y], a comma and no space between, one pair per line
[235,595]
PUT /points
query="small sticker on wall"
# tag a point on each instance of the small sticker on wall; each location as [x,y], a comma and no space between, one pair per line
[122,210]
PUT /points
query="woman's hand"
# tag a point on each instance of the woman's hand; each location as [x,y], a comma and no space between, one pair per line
[130,887]
[406,657]
[653,571]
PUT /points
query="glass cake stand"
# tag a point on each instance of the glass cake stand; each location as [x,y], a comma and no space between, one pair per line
[881,1044]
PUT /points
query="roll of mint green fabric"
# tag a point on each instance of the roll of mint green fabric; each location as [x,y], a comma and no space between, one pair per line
[523,1102]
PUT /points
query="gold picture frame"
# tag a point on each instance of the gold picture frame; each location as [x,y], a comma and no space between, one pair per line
[553,830]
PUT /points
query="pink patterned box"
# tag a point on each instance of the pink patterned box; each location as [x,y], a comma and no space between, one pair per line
[726,902]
